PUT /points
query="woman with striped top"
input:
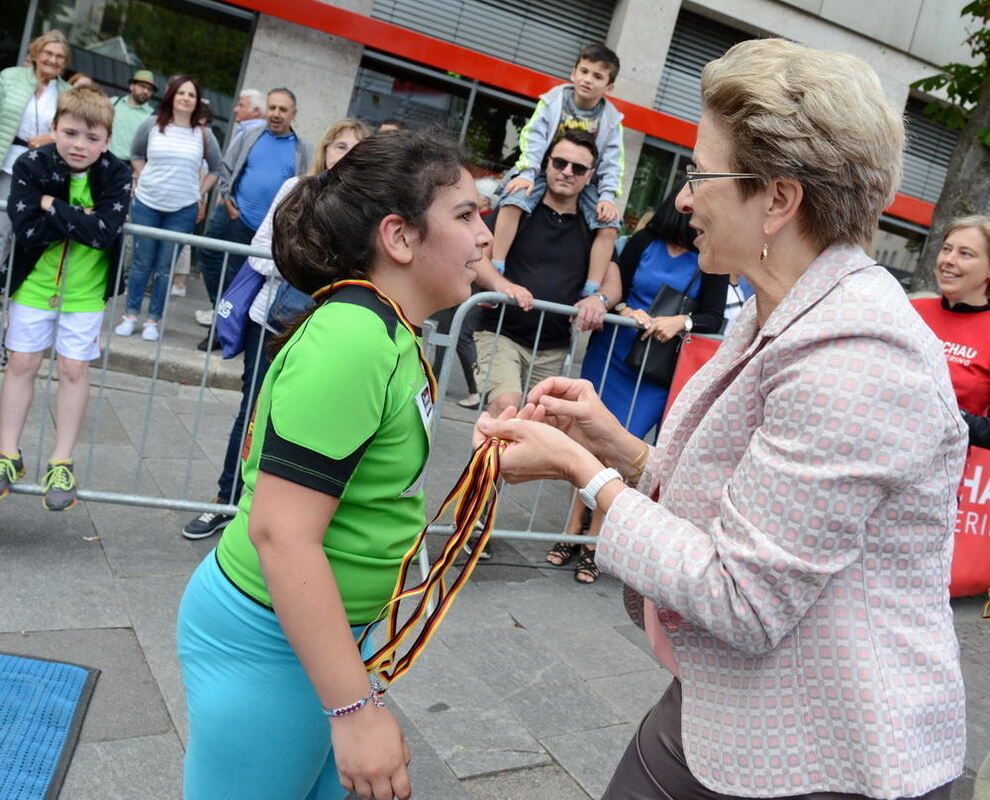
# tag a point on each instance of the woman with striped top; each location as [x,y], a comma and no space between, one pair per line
[166,155]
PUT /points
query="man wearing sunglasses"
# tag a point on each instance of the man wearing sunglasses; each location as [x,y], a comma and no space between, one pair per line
[548,260]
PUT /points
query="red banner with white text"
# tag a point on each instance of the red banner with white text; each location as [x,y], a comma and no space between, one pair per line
[971,560]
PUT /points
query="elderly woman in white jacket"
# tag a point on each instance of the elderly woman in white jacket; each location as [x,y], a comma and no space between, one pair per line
[792,529]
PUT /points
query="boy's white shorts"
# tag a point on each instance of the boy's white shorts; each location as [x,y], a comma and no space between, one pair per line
[76,333]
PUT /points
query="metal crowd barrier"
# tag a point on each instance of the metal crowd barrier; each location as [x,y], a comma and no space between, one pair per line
[612,323]
[190,497]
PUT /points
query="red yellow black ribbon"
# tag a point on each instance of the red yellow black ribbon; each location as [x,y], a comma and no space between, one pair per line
[476,494]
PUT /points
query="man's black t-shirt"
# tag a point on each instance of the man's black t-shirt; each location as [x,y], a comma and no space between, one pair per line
[550,258]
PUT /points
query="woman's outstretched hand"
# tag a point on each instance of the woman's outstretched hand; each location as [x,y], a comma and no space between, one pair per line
[535,450]
[574,407]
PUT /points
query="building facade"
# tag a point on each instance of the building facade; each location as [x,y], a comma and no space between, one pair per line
[475,67]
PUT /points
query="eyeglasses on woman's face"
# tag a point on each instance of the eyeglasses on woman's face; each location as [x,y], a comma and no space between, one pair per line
[694,177]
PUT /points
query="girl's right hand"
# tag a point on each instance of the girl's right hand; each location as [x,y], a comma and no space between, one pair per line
[371,754]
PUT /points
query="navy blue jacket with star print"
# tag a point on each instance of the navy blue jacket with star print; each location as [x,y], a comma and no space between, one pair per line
[42,171]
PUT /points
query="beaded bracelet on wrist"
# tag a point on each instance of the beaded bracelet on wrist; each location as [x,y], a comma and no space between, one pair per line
[374,696]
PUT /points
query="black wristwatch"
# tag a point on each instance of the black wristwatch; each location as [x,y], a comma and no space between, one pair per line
[603,297]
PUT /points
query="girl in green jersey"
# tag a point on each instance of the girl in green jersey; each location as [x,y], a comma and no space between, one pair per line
[331,501]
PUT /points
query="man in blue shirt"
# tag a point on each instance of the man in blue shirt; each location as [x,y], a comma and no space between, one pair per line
[256,165]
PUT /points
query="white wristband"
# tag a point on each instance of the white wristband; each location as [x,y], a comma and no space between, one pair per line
[589,494]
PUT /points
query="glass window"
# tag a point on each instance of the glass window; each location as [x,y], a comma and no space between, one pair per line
[12,22]
[492,135]
[657,172]
[113,39]
[386,91]
[898,248]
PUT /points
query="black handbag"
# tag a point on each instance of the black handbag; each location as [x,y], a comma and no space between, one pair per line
[659,359]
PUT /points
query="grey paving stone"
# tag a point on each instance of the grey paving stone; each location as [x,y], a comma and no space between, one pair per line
[116,469]
[429,775]
[632,694]
[537,783]
[600,652]
[100,412]
[228,397]
[50,578]
[134,384]
[178,478]
[160,431]
[462,718]
[154,605]
[545,692]
[145,767]
[541,604]
[126,702]
[473,610]
[590,756]
[143,541]
[635,635]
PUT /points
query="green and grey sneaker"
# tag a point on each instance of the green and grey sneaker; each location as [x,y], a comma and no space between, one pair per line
[60,486]
[11,468]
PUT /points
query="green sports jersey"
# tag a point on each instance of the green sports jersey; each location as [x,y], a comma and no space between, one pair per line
[83,278]
[340,412]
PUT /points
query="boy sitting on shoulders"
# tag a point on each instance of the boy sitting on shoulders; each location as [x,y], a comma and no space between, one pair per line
[579,105]
[68,202]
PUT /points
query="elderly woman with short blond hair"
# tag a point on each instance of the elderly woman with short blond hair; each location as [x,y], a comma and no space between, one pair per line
[792,529]
[28,98]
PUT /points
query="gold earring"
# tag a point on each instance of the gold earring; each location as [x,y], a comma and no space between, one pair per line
[763,253]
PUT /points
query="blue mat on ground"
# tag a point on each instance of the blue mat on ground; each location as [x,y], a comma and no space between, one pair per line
[42,706]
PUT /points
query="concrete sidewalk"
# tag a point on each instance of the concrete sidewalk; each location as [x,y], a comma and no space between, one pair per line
[531,689]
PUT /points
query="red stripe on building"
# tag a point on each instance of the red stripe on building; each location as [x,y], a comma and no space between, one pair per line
[493,71]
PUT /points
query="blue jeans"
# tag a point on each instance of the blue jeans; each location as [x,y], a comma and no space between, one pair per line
[221,226]
[153,257]
[255,338]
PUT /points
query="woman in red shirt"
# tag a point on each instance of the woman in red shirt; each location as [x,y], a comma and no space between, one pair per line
[960,320]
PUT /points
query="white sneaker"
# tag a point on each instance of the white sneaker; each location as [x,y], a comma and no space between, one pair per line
[178,291]
[150,332]
[205,318]
[473,400]
[126,326]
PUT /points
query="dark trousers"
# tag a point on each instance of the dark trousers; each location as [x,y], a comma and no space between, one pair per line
[654,768]
[221,226]
[256,339]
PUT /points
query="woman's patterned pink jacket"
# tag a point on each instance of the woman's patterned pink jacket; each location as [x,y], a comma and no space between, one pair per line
[801,545]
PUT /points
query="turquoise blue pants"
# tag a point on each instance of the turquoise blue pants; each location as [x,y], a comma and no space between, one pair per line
[256,727]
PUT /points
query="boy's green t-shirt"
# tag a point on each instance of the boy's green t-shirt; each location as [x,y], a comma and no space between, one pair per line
[340,412]
[83,279]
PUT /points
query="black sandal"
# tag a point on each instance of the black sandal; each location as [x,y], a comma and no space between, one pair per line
[562,552]
[586,571]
